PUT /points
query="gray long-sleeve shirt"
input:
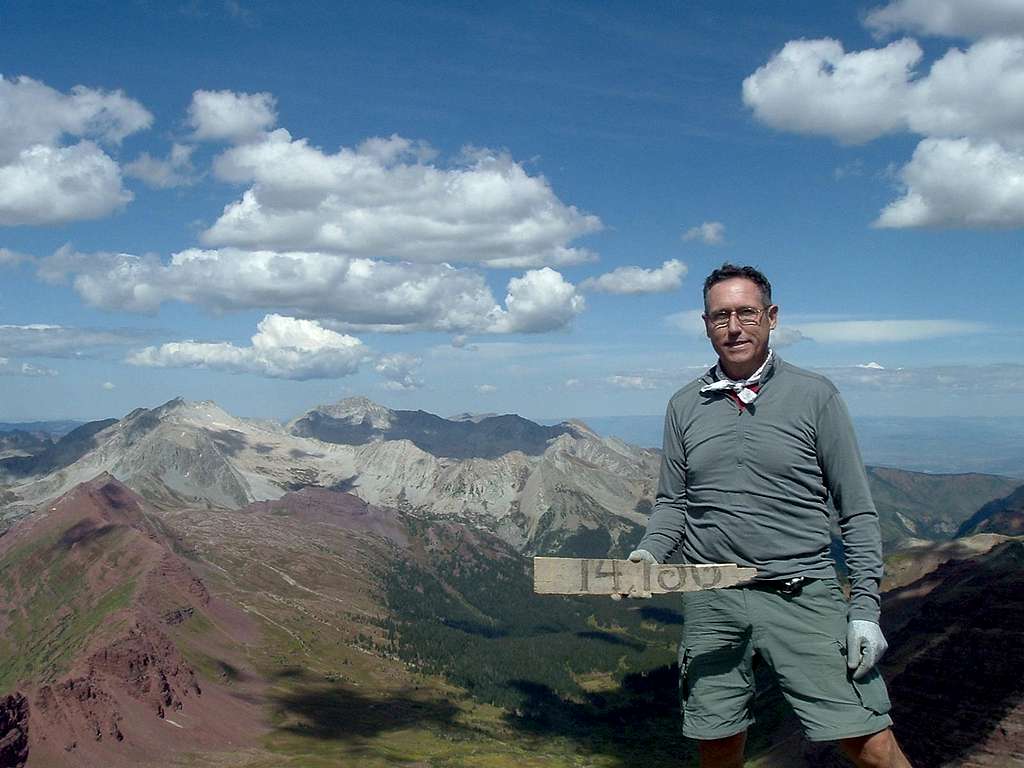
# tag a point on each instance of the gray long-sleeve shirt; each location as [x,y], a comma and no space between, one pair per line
[750,486]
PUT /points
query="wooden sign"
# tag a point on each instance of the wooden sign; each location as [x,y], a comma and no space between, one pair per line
[575,576]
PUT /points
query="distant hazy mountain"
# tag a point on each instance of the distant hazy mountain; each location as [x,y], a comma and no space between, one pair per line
[56,428]
[356,421]
[555,489]
[21,443]
[923,444]
[68,449]
[918,505]
[549,489]
[1004,516]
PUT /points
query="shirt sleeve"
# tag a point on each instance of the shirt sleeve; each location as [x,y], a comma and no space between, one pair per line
[847,483]
[666,524]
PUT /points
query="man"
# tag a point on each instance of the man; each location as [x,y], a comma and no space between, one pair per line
[752,452]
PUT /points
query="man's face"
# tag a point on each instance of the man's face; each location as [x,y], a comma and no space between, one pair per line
[741,348]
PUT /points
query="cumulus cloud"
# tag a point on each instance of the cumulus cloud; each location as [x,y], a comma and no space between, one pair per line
[969,107]
[14,368]
[399,371]
[345,293]
[44,179]
[385,200]
[636,280]
[174,171]
[572,384]
[709,233]
[541,300]
[34,114]
[43,340]
[230,116]
[950,18]
[282,348]
[486,389]
[957,183]
[815,87]
[108,385]
[54,185]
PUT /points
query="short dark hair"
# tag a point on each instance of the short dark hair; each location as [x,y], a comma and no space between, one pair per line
[728,271]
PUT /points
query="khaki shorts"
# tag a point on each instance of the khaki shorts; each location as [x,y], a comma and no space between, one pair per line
[802,638]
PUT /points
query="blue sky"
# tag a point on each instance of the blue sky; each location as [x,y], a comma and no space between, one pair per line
[503,207]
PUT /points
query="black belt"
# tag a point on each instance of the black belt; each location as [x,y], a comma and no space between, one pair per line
[787,587]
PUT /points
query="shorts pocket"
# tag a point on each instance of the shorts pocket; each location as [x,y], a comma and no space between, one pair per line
[870,689]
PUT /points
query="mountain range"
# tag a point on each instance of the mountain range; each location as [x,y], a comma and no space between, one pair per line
[354,586]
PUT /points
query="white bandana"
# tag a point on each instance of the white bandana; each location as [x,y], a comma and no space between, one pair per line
[740,387]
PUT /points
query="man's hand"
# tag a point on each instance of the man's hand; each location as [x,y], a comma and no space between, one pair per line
[865,645]
[639,556]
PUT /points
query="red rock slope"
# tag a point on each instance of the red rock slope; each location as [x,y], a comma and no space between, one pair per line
[97,616]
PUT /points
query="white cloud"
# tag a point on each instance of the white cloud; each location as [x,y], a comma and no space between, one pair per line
[486,389]
[872,365]
[885,331]
[54,185]
[34,114]
[43,180]
[709,233]
[230,116]
[282,348]
[951,18]
[14,368]
[108,385]
[957,183]
[964,379]
[633,382]
[690,322]
[815,87]
[968,169]
[573,384]
[42,340]
[385,200]
[636,280]
[345,293]
[175,171]
[978,93]
[786,337]
[400,371]
[9,258]
[541,300]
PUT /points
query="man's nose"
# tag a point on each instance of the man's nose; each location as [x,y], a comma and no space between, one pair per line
[734,323]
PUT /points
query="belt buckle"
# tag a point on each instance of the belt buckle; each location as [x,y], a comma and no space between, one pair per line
[792,587]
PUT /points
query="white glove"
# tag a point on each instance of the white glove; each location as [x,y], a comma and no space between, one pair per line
[865,645]
[639,556]
[642,556]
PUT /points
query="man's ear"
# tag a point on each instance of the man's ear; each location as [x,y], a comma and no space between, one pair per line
[773,316]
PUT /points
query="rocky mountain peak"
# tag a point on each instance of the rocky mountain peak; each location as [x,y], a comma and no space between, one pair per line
[476,418]
[359,410]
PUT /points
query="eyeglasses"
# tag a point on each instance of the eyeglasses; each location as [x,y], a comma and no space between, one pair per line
[745,316]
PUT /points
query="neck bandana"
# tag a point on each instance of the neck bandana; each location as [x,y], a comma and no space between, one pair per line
[741,387]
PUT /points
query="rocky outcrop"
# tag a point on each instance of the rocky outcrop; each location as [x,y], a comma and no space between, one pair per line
[13,730]
[957,674]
